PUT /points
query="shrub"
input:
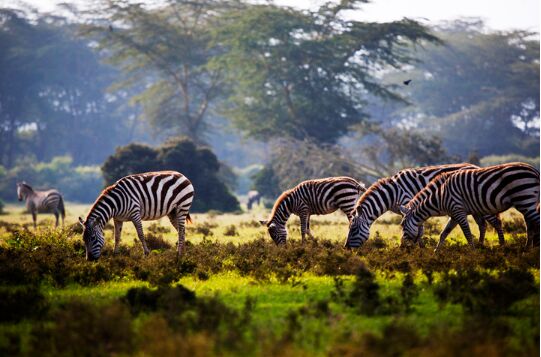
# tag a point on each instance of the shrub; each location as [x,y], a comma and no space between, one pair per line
[198,163]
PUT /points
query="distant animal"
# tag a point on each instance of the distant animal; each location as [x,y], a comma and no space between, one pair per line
[49,201]
[140,197]
[253,197]
[312,197]
[481,191]
[407,82]
[389,193]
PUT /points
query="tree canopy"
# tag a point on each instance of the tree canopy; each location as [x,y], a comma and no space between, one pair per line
[307,74]
[197,163]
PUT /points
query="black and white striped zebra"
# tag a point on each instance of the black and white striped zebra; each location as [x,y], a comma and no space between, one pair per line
[389,193]
[49,201]
[481,191]
[136,198]
[312,197]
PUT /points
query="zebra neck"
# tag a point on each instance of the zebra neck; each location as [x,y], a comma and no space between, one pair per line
[281,214]
[101,213]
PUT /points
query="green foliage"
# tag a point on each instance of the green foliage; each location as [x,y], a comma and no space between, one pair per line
[486,294]
[396,148]
[502,159]
[307,74]
[81,183]
[163,53]
[52,93]
[197,163]
[293,161]
[479,82]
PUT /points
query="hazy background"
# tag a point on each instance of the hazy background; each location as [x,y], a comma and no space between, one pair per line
[257,95]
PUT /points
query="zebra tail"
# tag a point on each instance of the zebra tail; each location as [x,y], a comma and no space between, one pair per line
[61,207]
[189,218]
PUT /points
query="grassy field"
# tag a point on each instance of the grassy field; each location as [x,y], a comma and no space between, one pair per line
[235,293]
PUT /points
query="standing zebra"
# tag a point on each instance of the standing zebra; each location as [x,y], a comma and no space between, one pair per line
[253,197]
[140,197]
[49,201]
[389,193]
[322,196]
[483,191]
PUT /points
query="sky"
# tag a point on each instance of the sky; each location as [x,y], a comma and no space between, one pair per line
[498,14]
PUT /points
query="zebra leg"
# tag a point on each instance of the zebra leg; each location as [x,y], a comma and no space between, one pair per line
[34,219]
[451,224]
[531,216]
[496,222]
[308,227]
[462,220]
[419,238]
[482,228]
[56,217]
[178,220]
[139,228]
[303,215]
[118,233]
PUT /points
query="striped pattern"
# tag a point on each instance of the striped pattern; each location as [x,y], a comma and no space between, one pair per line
[312,197]
[140,197]
[49,201]
[389,193]
[481,191]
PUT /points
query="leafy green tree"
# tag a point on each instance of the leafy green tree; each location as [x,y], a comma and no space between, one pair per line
[130,159]
[293,161]
[306,74]
[479,92]
[163,53]
[197,163]
[52,99]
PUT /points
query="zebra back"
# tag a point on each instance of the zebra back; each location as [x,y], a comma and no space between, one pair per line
[150,195]
[320,196]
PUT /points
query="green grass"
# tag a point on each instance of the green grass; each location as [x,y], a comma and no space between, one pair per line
[286,311]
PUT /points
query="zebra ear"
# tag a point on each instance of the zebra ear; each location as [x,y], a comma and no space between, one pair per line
[403,209]
[263,222]
[82,221]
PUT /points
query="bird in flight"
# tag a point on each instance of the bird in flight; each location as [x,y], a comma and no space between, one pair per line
[407,82]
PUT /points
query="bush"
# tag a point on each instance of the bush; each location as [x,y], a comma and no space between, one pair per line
[81,184]
[197,163]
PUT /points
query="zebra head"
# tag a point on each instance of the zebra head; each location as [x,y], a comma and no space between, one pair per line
[359,231]
[277,232]
[93,239]
[410,225]
[22,190]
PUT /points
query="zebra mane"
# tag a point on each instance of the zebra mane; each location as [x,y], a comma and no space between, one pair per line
[436,181]
[277,204]
[98,200]
[26,185]
[375,186]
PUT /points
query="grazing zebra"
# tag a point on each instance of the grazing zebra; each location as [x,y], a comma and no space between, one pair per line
[140,197]
[389,193]
[482,191]
[253,197]
[322,196]
[41,202]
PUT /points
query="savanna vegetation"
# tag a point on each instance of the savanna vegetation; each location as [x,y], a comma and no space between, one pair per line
[241,95]
[235,292]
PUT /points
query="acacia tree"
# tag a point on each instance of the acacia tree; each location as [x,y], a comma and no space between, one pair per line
[306,74]
[480,91]
[52,99]
[163,53]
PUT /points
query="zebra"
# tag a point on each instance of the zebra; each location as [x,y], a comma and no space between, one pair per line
[481,191]
[389,193]
[139,197]
[253,197]
[312,197]
[49,201]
